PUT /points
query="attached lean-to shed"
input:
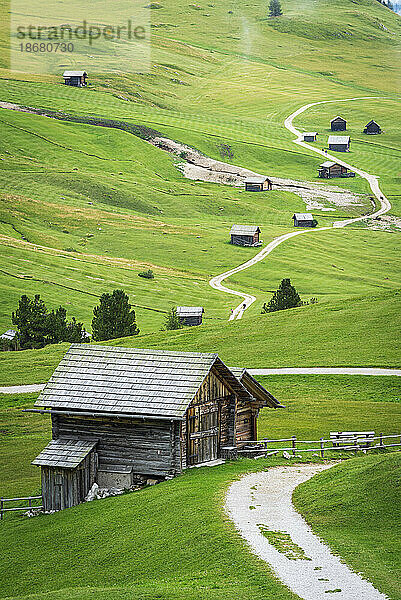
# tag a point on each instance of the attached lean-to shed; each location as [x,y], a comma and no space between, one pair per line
[372,128]
[190,315]
[122,414]
[258,184]
[330,169]
[304,220]
[75,78]
[310,136]
[245,235]
[339,143]
[338,124]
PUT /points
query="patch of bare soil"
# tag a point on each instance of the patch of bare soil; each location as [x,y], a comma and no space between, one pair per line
[198,167]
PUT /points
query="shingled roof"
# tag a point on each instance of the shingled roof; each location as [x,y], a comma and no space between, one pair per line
[74,73]
[255,388]
[64,453]
[131,381]
[190,311]
[303,217]
[244,230]
[339,139]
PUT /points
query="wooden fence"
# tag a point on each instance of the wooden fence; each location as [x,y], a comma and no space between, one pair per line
[20,508]
[262,446]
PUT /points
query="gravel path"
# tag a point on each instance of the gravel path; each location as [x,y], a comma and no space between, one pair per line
[269,493]
[327,371]
[385,206]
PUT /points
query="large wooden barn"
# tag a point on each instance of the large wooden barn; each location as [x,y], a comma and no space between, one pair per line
[190,315]
[339,143]
[338,124]
[245,235]
[119,414]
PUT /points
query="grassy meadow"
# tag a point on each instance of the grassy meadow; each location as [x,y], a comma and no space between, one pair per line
[84,209]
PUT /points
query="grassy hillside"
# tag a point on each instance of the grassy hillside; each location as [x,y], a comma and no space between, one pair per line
[355,508]
[356,332]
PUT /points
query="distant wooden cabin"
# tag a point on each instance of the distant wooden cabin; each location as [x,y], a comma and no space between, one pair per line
[258,184]
[190,315]
[9,340]
[372,128]
[75,78]
[245,235]
[338,124]
[330,169]
[120,415]
[310,136]
[339,143]
[303,220]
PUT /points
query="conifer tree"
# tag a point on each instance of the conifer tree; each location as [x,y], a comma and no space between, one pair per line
[285,297]
[275,8]
[172,320]
[113,317]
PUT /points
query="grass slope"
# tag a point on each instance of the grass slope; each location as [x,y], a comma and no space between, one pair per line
[355,508]
[169,541]
[356,332]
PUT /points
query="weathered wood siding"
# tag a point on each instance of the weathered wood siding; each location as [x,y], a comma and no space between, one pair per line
[210,422]
[63,488]
[339,125]
[191,321]
[150,447]
[244,240]
[339,147]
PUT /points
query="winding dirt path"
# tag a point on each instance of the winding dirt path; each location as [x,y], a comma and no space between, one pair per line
[260,505]
[385,206]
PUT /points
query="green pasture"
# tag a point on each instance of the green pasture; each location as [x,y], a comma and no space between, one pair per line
[355,508]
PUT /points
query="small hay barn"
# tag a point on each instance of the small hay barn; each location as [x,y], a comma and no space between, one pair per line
[245,235]
[303,220]
[258,184]
[122,414]
[190,315]
[372,128]
[330,169]
[339,143]
[310,136]
[338,124]
[75,78]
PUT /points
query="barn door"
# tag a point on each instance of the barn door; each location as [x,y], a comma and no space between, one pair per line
[203,433]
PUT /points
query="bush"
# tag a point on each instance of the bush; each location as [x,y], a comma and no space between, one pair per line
[172,321]
[146,274]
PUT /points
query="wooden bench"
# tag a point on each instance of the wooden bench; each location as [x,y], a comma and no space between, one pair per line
[352,438]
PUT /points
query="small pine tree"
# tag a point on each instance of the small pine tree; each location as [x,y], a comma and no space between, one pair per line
[285,297]
[113,317]
[172,321]
[275,8]
[30,320]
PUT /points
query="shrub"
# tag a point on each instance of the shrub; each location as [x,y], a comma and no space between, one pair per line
[146,274]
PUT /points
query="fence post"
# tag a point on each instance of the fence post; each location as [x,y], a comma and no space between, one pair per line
[381,439]
[294,445]
[29,502]
[1,508]
[322,447]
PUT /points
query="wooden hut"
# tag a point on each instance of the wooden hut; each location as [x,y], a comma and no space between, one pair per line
[304,220]
[123,414]
[245,235]
[310,136]
[330,169]
[338,124]
[9,340]
[190,315]
[75,78]
[258,184]
[339,143]
[372,128]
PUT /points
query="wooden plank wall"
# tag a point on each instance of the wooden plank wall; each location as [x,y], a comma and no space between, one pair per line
[63,488]
[146,446]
